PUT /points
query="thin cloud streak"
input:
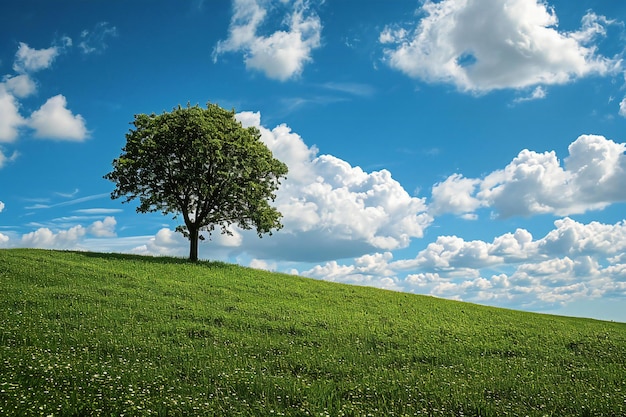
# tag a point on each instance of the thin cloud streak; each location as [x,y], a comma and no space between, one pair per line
[67,203]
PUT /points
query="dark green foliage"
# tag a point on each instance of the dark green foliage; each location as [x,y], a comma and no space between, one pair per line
[201,164]
[97,334]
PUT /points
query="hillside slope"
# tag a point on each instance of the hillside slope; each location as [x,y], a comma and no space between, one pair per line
[104,334]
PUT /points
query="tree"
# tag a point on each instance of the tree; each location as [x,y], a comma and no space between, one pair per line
[201,164]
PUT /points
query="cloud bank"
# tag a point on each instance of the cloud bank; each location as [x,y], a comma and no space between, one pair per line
[591,178]
[574,261]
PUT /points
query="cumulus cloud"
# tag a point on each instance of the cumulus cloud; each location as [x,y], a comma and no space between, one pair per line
[103,228]
[571,262]
[371,270]
[165,242]
[1,206]
[262,264]
[10,118]
[29,60]
[69,238]
[54,120]
[280,55]
[452,252]
[46,238]
[455,195]
[484,45]
[332,209]
[591,178]
[569,239]
[20,86]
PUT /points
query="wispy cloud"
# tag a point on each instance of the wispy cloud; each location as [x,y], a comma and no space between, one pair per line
[355,89]
[68,203]
[537,94]
[68,195]
[95,40]
[4,159]
[293,103]
[97,211]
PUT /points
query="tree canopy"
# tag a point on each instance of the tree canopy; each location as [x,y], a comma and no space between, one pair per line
[201,164]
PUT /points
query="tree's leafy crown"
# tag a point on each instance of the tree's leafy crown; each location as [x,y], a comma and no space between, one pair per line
[201,164]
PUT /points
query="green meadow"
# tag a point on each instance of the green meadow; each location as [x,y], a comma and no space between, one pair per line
[88,334]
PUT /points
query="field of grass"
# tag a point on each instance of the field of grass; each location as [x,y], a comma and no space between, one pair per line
[85,334]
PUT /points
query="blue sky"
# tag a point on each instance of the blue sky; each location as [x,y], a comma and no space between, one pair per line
[465,149]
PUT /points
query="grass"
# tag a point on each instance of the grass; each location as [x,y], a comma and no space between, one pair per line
[86,334]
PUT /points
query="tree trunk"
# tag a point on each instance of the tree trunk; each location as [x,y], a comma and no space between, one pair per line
[193,243]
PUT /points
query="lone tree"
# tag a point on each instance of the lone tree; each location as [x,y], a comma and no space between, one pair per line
[201,164]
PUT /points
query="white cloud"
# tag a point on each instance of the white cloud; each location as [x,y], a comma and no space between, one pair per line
[452,252]
[483,45]
[392,35]
[622,107]
[97,211]
[10,118]
[574,261]
[455,195]
[537,94]
[571,238]
[371,270]
[46,238]
[536,183]
[262,264]
[355,89]
[280,55]
[69,238]
[333,210]
[165,242]
[103,228]
[330,271]
[563,266]
[28,60]
[592,27]
[94,41]
[54,121]
[4,159]
[20,85]
[1,206]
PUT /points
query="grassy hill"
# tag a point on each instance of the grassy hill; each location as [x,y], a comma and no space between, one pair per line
[101,334]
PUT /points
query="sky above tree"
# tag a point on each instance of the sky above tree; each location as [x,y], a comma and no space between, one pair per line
[464,149]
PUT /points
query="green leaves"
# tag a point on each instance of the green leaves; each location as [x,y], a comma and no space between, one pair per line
[202,164]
